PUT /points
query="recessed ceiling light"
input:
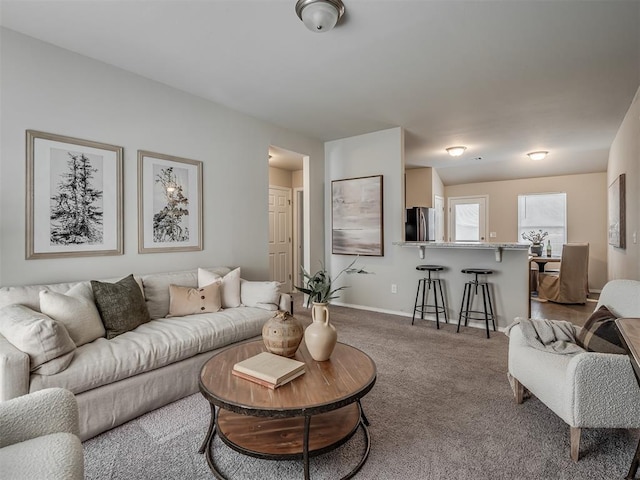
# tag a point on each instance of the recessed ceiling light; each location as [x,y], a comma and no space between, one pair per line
[537,155]
[456,151]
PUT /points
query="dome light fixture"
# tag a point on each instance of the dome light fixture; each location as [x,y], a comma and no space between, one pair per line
[540,155]
[320,15]
[456,151]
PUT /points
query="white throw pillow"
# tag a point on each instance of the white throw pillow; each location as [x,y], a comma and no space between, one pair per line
[46,341]
[230,285]
[264,295]
[76,310]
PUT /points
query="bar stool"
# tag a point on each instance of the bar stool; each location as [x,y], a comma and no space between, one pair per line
[426,283]
[470,291]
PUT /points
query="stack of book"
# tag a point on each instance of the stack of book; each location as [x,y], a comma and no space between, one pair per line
[268,369]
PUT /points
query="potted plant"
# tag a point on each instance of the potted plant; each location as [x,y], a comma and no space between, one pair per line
[321,337]
[536,239]
[319,285]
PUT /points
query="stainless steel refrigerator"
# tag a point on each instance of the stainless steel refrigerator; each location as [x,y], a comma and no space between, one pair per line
[420,224]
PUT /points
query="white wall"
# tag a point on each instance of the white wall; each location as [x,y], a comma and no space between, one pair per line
[624,157]
[54,90]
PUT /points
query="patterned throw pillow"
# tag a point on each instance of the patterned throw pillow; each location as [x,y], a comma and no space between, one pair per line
[600,333]
[121,305]
[189,301]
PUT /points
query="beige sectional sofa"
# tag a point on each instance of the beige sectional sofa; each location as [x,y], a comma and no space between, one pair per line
[156,363]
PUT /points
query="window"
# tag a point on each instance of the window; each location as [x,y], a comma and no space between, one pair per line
[547,212]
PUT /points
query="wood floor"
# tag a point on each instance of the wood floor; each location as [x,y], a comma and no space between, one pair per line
[577,314]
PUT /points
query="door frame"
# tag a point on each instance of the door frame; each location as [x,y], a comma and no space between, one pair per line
[289,191]
[298,240]
[484,229]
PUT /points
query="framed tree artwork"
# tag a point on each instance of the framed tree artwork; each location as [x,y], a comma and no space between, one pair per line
[169,203]
[356,216]
[617,212]
[74,197]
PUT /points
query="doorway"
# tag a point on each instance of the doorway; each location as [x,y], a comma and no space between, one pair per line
[468,219]
[286,217]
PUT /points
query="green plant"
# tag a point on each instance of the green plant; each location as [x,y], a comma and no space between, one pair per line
[319,285]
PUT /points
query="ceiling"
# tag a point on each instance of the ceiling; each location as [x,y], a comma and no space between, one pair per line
[502,77]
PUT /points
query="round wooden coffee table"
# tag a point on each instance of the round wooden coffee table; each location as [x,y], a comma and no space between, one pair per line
[311,415]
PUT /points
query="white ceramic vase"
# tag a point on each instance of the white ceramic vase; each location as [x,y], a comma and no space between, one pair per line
[320,336]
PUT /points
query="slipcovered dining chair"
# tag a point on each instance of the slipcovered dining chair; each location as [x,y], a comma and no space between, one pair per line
[570,284]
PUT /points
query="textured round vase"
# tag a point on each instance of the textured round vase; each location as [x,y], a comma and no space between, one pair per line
[282,334]
[320,336]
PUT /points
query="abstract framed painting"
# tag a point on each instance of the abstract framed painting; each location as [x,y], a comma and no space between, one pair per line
[617,212]
[74,197]
[357,226]
[169,203]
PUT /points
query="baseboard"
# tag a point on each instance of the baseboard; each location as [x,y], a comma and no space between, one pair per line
[472,323]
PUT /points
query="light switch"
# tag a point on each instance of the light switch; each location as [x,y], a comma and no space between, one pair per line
[493,234]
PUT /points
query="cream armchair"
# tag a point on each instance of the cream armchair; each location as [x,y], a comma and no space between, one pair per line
[586,390]
[38,437]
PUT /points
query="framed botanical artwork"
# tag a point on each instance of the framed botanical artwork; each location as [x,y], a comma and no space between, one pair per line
[356,216]
[169,203]
[74,197]
[617,212]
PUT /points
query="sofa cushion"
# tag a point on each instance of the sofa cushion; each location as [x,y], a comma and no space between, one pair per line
[600,334]
[153,345]
[230,289]
[156,287]
[49,346]
[76,310]
[189,301]
[121,305]
[264,295]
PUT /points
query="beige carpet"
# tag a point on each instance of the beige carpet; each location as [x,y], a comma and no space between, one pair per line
[441,409]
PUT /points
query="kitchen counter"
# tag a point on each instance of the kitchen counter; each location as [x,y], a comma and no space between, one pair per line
[498,247]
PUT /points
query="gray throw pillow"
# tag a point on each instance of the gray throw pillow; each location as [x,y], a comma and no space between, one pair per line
[121,305]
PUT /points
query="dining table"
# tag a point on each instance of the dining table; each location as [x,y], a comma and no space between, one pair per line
[543,260]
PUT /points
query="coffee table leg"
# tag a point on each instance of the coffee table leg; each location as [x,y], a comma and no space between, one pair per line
[210,432]
[365,420]
[305,448]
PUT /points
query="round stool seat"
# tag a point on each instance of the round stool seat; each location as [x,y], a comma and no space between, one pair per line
[477,271]
[430,268]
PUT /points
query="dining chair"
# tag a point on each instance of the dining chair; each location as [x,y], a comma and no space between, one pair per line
[570,284]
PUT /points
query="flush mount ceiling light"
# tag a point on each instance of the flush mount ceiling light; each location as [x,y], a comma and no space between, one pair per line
[537,155]
[320,15]
[456,151]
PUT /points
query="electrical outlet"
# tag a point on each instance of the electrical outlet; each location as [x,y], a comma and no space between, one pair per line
[394,288]
[635,237]
[493,234]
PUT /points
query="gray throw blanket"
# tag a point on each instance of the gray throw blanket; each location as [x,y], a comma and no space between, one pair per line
[553,336]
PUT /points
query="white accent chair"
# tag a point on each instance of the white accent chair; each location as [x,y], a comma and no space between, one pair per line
[39,436]
[586,390]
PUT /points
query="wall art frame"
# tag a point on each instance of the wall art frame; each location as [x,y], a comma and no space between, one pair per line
[169,203]
[357,220]
[74,197]
[617,231]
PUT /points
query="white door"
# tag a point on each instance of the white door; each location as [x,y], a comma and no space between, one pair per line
[280,236]
[438,204]
[468,219]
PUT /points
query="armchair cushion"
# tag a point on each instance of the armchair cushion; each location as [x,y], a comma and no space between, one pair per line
[600,333]
[39,436]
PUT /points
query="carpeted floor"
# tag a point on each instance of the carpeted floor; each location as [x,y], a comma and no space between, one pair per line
[441,409]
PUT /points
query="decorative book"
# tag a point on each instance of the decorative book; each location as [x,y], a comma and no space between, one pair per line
[274,370]
[264,383]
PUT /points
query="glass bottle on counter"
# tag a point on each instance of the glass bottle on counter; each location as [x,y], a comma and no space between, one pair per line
[548,248]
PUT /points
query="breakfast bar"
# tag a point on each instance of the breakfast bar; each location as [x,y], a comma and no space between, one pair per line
[509,281]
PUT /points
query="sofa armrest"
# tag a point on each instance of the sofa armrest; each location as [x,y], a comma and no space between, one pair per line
[286,303]
[14,371]
[603,391]
[53,410]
